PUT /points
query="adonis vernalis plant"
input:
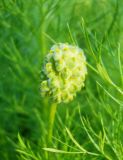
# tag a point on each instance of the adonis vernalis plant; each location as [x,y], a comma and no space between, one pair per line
[63,75]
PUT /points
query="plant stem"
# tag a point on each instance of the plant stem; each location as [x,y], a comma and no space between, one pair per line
[51,122]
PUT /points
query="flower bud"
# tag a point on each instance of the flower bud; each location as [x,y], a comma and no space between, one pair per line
[64,71]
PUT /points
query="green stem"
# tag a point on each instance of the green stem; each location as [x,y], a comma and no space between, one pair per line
[51,122]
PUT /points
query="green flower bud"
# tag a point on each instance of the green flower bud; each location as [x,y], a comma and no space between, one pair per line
[44,88]
[48,67]
[64,72]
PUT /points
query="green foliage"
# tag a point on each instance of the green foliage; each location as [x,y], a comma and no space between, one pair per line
[89,127]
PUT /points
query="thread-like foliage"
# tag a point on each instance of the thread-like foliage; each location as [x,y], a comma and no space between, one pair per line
[89,127]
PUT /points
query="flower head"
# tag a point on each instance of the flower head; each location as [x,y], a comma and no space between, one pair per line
[64,72]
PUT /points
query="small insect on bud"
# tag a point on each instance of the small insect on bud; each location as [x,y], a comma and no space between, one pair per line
[64,71]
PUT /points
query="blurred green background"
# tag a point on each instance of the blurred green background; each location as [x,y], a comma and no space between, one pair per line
[28,28]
